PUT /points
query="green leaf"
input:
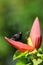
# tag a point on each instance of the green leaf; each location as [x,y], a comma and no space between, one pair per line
[41,63]
[40,55]
[40,50]
[22,61]
[18,54]
[36,62]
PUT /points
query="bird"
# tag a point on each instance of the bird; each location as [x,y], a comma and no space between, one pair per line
[17,37]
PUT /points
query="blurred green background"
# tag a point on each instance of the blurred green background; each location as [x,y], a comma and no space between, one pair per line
[16,16]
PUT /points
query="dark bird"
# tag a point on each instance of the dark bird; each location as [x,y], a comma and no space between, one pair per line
[17,37]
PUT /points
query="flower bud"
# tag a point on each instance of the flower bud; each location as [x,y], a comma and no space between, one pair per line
[35,34]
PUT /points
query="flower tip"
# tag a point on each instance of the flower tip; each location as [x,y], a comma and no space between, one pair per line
[36,20]
[37,17]
[6,38]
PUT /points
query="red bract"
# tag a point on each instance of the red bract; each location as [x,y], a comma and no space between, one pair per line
[19,45]
[35,34]
[35,39]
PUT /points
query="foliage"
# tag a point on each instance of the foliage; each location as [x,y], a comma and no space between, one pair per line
[29,58]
